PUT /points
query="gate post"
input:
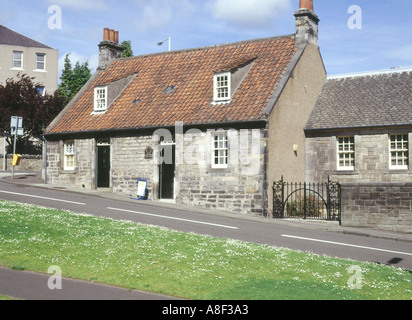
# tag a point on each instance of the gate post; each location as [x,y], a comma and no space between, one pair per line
[304,201]
[278,199]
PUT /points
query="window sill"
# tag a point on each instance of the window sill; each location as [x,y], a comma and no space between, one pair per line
[41,71]
[216,102]
[98,112]
[346,172]
[72,171]
[397,171]
[16,69]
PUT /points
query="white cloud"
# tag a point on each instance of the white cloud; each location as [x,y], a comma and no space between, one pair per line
[80,4]
[402,53]
[249,13]
[155,18]
[159,14]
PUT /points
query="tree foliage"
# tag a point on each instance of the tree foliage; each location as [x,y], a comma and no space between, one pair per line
[127,51]
[19,97]
[73,79]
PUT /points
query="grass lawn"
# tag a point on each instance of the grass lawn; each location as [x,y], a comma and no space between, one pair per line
[186,265]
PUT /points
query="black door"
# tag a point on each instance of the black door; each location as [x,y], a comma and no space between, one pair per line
[103,166]
[167,172]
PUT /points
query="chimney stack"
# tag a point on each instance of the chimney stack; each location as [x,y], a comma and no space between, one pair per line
[307,23]
[109,48]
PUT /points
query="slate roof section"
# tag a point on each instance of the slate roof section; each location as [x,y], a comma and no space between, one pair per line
[13,38]
[374,99]
[191,73]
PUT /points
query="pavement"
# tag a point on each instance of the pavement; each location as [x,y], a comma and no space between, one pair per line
[33,286]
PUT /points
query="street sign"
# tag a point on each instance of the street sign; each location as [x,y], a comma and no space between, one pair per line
[16,125]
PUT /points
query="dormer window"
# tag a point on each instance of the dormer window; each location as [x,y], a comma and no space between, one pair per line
[100,99]
[222,86]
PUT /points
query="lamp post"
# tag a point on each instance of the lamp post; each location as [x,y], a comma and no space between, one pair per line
[170,43]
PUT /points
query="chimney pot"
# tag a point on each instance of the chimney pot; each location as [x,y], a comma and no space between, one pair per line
[306,4]
[116,36]
[106,34]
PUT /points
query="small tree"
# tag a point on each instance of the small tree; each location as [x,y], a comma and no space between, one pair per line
[127,51]
[73,79]
[21,98]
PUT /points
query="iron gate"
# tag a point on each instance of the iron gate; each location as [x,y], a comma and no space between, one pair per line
[320,201]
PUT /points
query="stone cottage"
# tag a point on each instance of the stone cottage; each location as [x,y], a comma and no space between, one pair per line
[359,134]
[211,127]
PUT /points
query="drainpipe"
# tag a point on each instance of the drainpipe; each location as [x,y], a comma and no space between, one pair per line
[45,159]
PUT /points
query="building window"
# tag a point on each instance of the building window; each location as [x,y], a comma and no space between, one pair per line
[40,90]
[220,151]
[100,99]
[69,155]
[222,84]
[346,153]
[399,151]
[40,62]
[17,60]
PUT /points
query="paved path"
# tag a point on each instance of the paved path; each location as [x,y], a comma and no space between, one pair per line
[34,286]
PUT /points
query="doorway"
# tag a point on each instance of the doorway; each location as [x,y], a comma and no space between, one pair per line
[103,164]
[167,169]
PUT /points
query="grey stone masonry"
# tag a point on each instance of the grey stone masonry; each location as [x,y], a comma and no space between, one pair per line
[385,206]
[372,159]
[129,164]
[238,187]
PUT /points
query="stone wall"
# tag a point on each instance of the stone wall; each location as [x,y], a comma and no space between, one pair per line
[27,163]
[371,160]
[239,188]
[385,206]
[129,163]
[83,176]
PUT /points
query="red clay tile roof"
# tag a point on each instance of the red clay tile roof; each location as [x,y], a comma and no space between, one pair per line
[191,73]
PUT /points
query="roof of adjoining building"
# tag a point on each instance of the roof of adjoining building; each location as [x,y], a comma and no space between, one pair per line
[147,101]
[369,99]
[13,38]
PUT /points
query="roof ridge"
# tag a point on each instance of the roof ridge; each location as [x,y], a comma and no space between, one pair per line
[34,43]
[370,73]
[207,47]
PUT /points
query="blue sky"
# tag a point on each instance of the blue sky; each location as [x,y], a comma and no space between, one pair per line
[384,40]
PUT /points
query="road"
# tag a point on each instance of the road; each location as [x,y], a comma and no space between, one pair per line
[264,231]
[317,238]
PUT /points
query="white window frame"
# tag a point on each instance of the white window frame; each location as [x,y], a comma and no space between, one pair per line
[399,151]
[21,60]
[220,150]
[38,54]
[69,155]
[346,153]
[218,86]
[100,101]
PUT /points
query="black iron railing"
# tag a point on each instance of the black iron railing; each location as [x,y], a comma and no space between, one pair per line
[320,201]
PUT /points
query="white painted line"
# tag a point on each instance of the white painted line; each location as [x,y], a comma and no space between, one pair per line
[44,198]
[174,218]
[347,245]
